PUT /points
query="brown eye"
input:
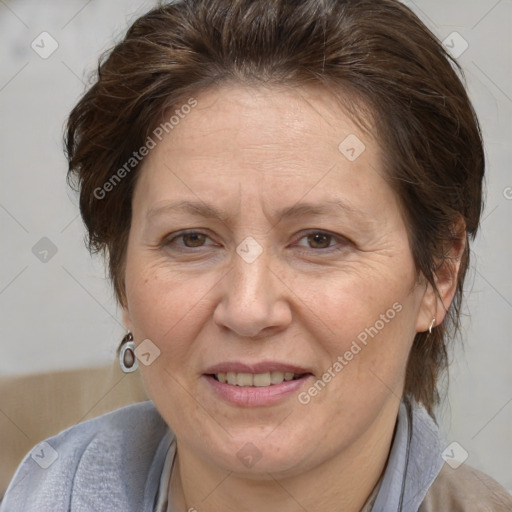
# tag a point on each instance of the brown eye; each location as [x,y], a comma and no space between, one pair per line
[182,241]
[319,240]
[322,243]
[193,239]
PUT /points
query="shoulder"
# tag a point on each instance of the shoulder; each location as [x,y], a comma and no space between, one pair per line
[105,460]
[465,489]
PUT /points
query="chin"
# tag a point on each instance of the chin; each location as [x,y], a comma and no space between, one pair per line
[256,456]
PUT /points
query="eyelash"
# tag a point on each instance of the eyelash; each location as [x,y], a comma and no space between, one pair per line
[342,241]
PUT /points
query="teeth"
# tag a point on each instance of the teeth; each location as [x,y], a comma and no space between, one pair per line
[254,380]
[276,377]
[243,379]
[262,379]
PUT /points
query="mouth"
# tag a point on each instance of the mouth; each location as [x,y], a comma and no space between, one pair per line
[257,380]
[265,383]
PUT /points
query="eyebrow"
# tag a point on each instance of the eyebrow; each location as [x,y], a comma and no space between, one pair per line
[207,211]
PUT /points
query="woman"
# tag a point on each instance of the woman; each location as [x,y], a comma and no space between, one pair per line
[285,191]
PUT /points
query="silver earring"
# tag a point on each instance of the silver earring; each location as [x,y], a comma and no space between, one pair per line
[127,358]
[431,325]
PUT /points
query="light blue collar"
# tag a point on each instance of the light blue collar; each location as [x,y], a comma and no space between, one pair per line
[414,461]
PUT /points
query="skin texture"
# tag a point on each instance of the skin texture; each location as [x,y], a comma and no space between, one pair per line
[252,151]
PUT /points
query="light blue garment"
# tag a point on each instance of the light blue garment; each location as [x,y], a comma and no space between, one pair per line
[115,462]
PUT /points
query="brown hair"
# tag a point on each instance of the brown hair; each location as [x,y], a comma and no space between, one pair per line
[377,50]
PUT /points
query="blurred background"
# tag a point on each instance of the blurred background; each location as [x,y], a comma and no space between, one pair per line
[57,308]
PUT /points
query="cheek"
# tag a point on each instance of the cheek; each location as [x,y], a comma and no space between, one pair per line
[162,302]
[366,325]
[348,305]
[170,311]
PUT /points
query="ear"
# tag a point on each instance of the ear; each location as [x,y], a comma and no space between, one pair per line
[435,305]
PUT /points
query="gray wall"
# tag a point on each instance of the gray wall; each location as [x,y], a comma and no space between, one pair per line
[57,310]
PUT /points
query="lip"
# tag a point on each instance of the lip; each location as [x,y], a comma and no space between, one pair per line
[254,396]
[245,396]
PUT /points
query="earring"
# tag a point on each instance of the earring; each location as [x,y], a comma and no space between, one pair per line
[127,359]
[431,325]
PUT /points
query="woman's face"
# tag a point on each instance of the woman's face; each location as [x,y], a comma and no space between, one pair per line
[265,240]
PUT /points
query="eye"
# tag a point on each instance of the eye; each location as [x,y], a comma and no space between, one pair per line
[317,240]
[322,240]
[188,240]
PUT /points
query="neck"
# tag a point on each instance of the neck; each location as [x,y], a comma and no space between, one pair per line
[344,482]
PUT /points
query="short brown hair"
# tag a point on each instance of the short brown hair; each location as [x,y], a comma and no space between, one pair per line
[376,50]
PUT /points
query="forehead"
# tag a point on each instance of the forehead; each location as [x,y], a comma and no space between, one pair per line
[260,121]
[271,142]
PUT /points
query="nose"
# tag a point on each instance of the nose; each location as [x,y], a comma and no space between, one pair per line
[254,301]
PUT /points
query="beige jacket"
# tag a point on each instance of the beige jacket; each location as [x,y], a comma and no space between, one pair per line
[465,489]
